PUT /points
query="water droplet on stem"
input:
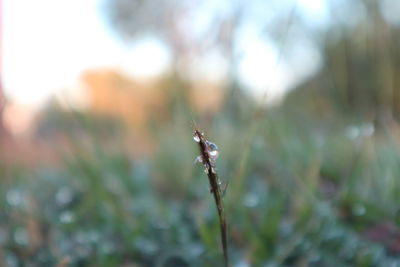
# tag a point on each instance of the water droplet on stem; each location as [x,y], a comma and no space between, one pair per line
[212,150]
[196,138]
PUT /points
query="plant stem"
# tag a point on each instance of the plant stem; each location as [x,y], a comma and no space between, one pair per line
[215,190]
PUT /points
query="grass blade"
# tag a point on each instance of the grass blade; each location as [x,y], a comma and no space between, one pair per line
[208,160]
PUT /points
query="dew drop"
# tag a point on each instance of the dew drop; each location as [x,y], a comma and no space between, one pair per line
[196,138]
[67,217]
[242,263]
[359,209]
[21,237]
[199,159]
[251,200]
[212,150]
[11,260]
[64,196]
[367,129]
[14,197]
[212,146]
[107,247]
[352,132]
[93,236]
[146,246]
[214,153]
[194,250]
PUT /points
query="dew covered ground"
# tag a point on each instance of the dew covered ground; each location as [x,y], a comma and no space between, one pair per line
[303,191]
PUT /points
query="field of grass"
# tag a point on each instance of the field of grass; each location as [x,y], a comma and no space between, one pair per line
[304,190]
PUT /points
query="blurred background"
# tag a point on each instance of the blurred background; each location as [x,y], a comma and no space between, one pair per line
[97,99]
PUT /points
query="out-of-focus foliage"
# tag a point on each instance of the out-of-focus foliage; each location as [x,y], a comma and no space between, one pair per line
[319,185]
[313,192]
[361,72]
[358,42]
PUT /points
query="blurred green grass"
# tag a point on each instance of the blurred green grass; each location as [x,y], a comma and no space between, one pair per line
[313,192]
[313,182]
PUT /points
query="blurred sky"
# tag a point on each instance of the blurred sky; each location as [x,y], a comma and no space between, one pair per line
[47,44]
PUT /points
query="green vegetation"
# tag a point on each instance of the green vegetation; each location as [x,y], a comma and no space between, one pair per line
[312,182]
[313,192]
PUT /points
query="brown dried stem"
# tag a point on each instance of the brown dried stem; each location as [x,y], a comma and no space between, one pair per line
[209,165]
